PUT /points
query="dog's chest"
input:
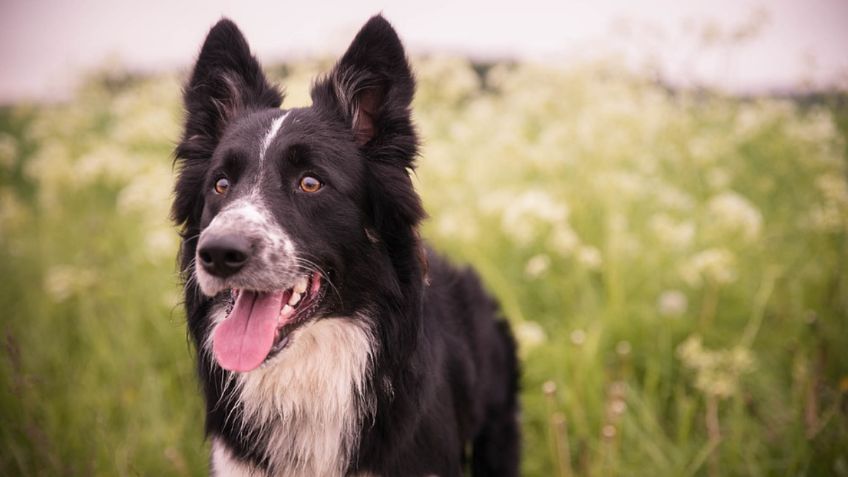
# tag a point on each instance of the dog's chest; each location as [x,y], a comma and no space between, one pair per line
[308,402]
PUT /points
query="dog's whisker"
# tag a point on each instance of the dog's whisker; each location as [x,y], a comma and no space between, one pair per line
[189,239]
[314,267]
[190,267]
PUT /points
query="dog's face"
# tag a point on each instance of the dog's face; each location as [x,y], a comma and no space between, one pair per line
[285,210]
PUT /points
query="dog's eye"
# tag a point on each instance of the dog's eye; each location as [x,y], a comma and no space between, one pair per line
[310,184]
[222,185]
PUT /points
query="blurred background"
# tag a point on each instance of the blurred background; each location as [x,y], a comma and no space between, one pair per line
[655,191]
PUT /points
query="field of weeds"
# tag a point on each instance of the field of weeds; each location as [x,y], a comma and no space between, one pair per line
[674,265]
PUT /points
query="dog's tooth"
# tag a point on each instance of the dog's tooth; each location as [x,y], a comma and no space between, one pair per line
[300,286]
[295,298]
[286,311]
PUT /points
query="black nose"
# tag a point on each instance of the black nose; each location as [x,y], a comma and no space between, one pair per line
[223,255]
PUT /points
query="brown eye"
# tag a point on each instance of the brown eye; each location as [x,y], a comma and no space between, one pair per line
[222,185]
[310,184]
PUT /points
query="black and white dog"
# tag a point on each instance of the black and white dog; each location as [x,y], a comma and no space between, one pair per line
[330,340]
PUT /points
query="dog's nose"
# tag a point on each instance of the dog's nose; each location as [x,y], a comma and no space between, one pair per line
[223,255]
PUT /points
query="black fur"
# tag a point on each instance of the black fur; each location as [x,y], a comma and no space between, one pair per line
[441,345]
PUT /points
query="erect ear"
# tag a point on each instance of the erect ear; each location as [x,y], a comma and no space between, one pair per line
[226,82]
[371,88]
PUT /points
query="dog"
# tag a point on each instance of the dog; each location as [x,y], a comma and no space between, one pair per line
[330,339]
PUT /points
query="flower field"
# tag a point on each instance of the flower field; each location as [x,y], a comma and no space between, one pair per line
[674,265]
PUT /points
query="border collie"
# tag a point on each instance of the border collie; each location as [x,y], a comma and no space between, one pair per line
[330,340]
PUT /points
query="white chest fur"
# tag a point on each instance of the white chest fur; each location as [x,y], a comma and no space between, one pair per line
[309,400]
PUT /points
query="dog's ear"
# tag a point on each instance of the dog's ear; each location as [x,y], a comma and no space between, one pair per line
[370,89]
[226,82]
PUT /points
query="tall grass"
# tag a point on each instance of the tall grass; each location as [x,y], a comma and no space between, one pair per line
[674,266]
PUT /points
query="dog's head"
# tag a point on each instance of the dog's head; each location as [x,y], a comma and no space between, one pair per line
[291,215]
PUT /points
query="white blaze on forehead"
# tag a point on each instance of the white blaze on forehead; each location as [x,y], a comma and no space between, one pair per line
[270,135]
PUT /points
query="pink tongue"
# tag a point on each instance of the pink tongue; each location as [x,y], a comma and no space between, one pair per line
[244,339]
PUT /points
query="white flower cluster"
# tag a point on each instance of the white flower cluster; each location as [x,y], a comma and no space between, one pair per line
[677,235]
[831,214]
[735,214]
[529,334]
[716,265]
[523,217]
[537,265]
[672,303]
[717,373]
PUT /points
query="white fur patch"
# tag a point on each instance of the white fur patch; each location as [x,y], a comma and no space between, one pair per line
[311,398]
[270,135]
[251,219]
[225,465]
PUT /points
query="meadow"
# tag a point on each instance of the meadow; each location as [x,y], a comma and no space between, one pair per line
[674,265]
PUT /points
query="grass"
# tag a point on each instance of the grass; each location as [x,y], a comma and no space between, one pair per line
[674,265]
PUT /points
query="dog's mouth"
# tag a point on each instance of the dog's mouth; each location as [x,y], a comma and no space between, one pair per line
[260,324]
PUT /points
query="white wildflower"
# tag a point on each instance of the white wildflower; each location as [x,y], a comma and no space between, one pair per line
[733,212]
[537,266]
[716,265]
[617,407]
[717,372]
[672,303]
[578,337]
[589,257]
[521,219]
[529,334]
[563,240]
[677,235]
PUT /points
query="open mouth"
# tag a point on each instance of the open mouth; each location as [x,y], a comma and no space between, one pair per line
[260,324]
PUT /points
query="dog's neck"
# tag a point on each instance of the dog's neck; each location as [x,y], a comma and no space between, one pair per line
[307,404]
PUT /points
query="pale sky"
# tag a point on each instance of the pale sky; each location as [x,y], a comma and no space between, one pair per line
[45,44]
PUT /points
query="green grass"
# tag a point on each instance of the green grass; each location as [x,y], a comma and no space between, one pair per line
[674,265]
